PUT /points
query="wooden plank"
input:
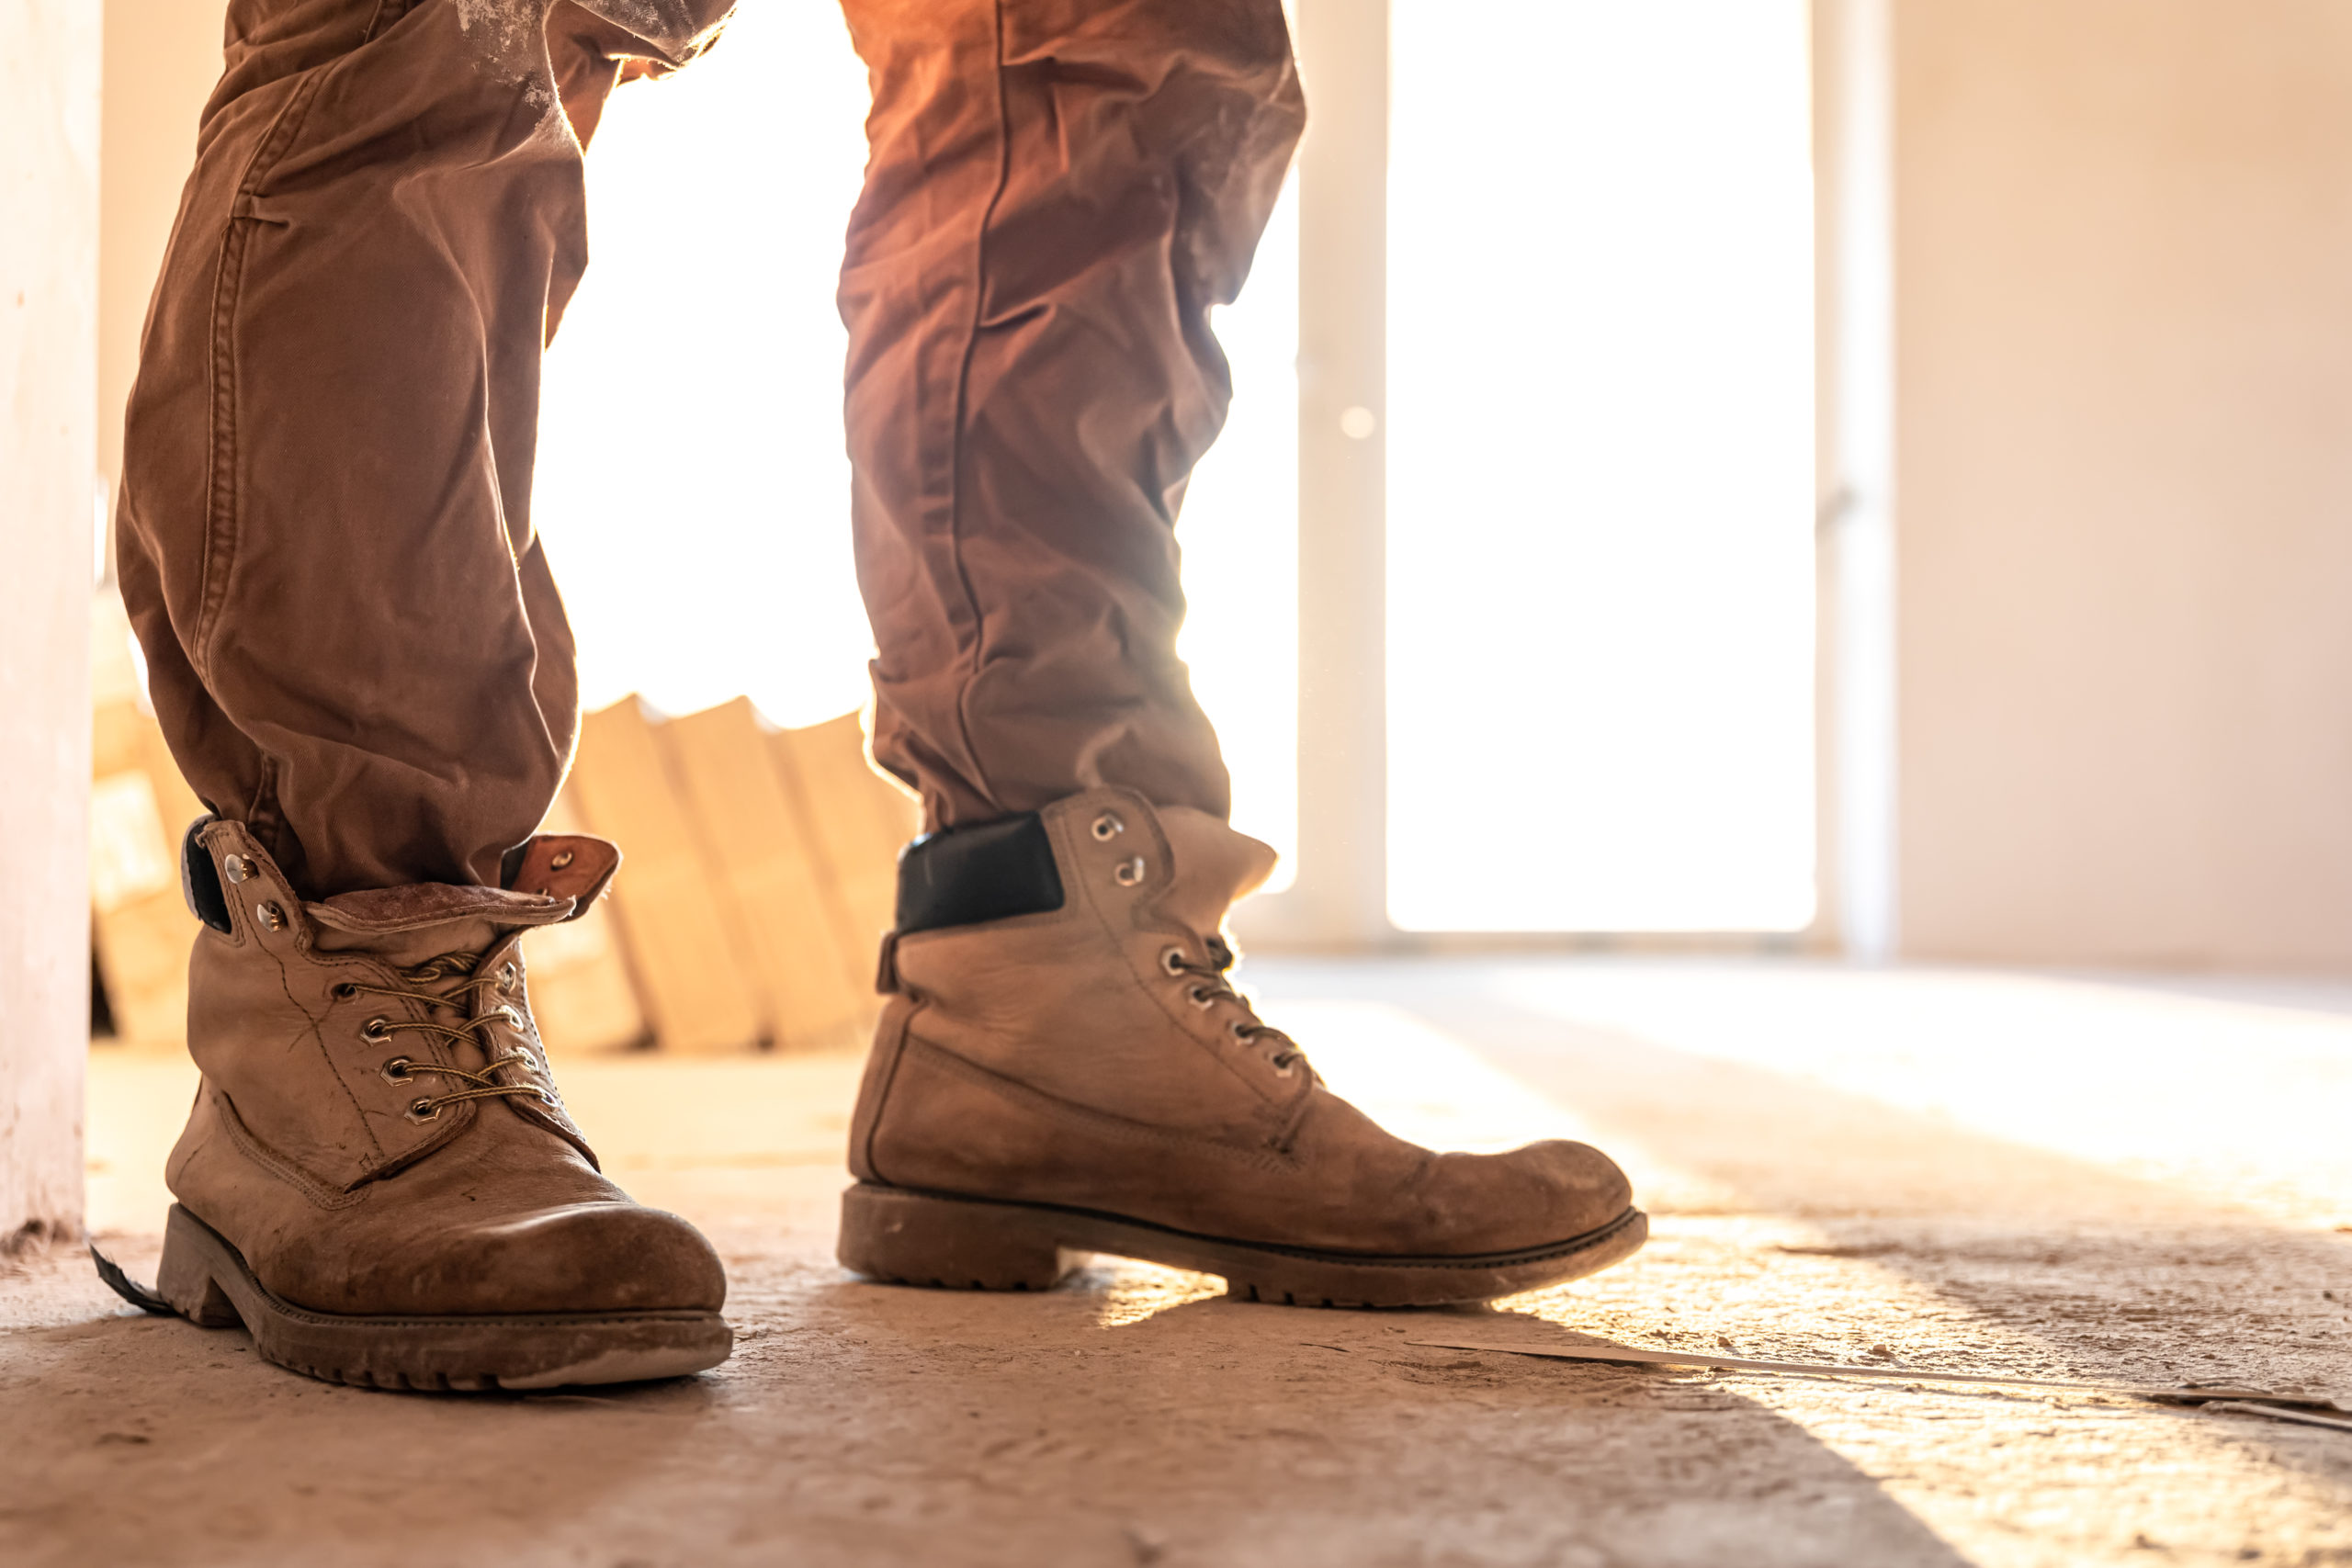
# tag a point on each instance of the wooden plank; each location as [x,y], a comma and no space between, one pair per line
[584,996]
[674,910]
[858,821]
[721,763]
[140,927]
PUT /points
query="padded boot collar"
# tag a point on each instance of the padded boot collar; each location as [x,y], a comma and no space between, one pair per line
[556,878]
[998,869]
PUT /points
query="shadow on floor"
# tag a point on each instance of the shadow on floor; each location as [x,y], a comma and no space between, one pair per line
[865,1423]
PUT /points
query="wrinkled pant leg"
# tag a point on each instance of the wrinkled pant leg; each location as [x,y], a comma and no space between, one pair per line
[1058,190]
[352,641]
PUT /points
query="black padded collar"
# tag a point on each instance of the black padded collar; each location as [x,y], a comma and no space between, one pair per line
[200,879]
[965,875]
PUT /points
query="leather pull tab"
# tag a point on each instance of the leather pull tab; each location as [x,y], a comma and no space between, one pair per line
[577,866]
[886,969]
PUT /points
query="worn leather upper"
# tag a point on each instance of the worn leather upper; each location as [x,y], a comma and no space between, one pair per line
[303,1149]
[1058,1058]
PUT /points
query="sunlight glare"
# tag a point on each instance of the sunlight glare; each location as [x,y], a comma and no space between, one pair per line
[1601,467]
[692,482]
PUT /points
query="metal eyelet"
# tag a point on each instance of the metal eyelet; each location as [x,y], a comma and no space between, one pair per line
[559,862]
[508,1016]
[376,1031]
[1240,1029]
[1172,961]
[1129,872]
[396,1070]
[1108,827]
[508,973]
[344,990]
[272,917]
[1201,997]
[236,867]
[1288,1069]
[423,1109]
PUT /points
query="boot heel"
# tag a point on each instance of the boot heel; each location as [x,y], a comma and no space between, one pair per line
[184,1277]
[913,1238]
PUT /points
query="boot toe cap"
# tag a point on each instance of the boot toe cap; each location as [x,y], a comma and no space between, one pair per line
[1532,1196]
[603,1257]
[574,1257]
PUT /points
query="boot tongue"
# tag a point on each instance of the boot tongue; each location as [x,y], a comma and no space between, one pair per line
[407,925]
[418,945]
[1215,867]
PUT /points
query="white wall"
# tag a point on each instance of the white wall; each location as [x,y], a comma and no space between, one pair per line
[2124,441]
[48,266]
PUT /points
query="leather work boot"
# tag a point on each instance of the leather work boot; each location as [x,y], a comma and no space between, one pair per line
[377,1180]
[1062,1068]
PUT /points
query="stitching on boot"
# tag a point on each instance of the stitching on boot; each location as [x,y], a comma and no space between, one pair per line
[897,1053]
[278,1165]
[1038,1103]
[334,1070]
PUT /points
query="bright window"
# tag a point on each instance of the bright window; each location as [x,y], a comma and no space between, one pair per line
[692,485]
[1600,619]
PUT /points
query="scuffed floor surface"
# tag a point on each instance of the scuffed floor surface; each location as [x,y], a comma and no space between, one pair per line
[1972,1171]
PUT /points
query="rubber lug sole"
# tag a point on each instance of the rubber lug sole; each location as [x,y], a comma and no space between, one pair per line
[925,1239]
[206,1280]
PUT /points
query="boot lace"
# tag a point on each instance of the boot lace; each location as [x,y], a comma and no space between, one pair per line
[470,1085]
[1209,986]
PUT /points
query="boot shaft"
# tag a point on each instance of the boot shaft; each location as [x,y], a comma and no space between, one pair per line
[344,1036]
[1077,953]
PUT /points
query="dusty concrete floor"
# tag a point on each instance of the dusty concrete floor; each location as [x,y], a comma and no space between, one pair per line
[2029,1174]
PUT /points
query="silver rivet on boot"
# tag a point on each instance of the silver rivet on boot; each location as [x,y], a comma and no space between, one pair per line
[423,1110]
[376,1031]
[272,917]
[396,1070]
[1108,827]
[1129,872]
[560,861]
[1172,961]
[238,868]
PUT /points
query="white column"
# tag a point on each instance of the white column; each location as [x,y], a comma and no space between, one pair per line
[49,278]
[1341,899]
[1854,164]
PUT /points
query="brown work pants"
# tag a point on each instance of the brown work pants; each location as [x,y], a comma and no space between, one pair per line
[353,641]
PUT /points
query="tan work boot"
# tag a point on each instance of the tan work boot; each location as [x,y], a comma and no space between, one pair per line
[1063,1069]
[377,1179]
